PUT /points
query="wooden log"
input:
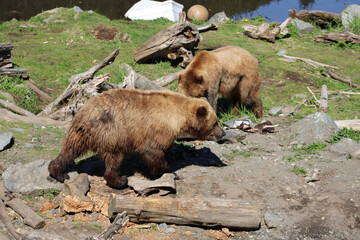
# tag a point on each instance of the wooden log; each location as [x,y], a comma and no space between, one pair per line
[204,212]
[14,72]
[264,32]
[321,18]
[341,79]
[13,107]
[207,28]
[42,95]
[309,61]
[30,217]
[323,99]
[163,81]
[354,124]
[5,47]
[183,34]
[5,218]
[347,37]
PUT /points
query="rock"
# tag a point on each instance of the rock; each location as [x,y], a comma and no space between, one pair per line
[17,129]
[6,140]
[281,52]
[30,177]
[47,20]
[287,110]
[219,18]
[355,154]
[303,27]
[345,146]
[232,136]
[314,177]
[72,204]
[163,186]
[7,96]
[272,220]
[300,95]
[170,231]
[314,128]
[162,226]
[275,110]
[349,13]
[77,9]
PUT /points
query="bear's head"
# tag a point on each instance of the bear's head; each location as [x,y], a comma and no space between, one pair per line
[193,83]
[204,125]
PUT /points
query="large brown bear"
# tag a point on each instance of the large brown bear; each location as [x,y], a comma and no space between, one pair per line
[231,71]
[118,122]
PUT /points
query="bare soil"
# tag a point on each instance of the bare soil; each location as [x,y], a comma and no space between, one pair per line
[257,171]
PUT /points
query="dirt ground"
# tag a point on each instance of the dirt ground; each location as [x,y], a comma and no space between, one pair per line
[257,171]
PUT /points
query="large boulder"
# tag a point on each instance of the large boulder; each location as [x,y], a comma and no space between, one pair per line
[303,27]
[6,140]
[314,128]
[349,13]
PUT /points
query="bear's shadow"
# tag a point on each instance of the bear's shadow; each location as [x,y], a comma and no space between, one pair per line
[181,156]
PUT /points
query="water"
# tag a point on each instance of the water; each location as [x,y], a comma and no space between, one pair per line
[272,10]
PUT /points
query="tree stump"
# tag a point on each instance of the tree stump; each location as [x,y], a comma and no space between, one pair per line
[174,42]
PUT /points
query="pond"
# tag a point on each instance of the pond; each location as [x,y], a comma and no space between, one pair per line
[272,10]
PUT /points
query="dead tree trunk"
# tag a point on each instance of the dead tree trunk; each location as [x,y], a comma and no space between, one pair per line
[321,18]
[347,37]
[167,43]
[206,212]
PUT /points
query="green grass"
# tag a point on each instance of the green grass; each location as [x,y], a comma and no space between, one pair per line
[345,133]
[299,171]
[49,195]
[235,153]
[53,52]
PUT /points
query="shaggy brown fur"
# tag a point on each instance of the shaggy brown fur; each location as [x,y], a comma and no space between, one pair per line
[231,71]
[118,122]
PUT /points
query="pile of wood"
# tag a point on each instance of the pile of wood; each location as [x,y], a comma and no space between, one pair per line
[6,64]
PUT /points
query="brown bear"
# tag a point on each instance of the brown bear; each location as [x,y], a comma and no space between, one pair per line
[119,122]
[231,71]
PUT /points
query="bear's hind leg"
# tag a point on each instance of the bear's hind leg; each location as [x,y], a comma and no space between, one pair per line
[156,160]
[112,170]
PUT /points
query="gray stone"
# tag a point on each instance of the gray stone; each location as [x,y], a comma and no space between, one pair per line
[300,95]
[7,96]
[281,52]
[314,128]
[47,20]
[77,9]
[218,18]
[303,27]
[163,226]
[355,154]
[275,110]
[272,220]
[30,177]
[170,231]
[6,140]
[287,110]
[28,145]
[345,146]
[349,13]
[17,129]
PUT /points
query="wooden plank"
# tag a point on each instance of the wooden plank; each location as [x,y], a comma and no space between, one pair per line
[204,212]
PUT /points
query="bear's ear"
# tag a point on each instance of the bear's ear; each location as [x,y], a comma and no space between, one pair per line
[199,79]
[201,112]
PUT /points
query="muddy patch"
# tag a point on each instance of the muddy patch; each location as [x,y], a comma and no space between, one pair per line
[105,33]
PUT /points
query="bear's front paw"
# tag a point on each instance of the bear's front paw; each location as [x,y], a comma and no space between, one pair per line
[116,181]
[60,177]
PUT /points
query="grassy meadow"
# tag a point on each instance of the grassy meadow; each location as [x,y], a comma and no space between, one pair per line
[54,51]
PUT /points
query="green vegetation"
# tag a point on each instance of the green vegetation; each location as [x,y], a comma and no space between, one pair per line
[50,195]
[235,153]
[55,51]
[95,225]
[345,133]
[355,25]
[299,171]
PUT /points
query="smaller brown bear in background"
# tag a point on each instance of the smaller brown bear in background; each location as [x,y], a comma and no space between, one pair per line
[231,71]
[119,122]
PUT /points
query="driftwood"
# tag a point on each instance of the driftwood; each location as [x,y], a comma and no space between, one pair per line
[40,120]
[321,18]
[120,221]
[5,55]
[354,124]
[323,99]
[163,186]
[30,217]
[75,81]
[163,81]
[309,61]
[206,212]
[42,95]
[341,79]
[14,108]
[347,37]
[14,72]
[207,28]
[341,92]
[168,42]
[264,32]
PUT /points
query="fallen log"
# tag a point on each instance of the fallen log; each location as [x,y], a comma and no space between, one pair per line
[75,81]
[309,61]
[14,72]
[341,92]
[14,108]
[354,124]
[5,55]
[264,32]
[204,212]
[163,81]
[323,99]
[321,18]
[5,218]
[347,37]
[29,216]
[341,79]
[168,42]
[42,95]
